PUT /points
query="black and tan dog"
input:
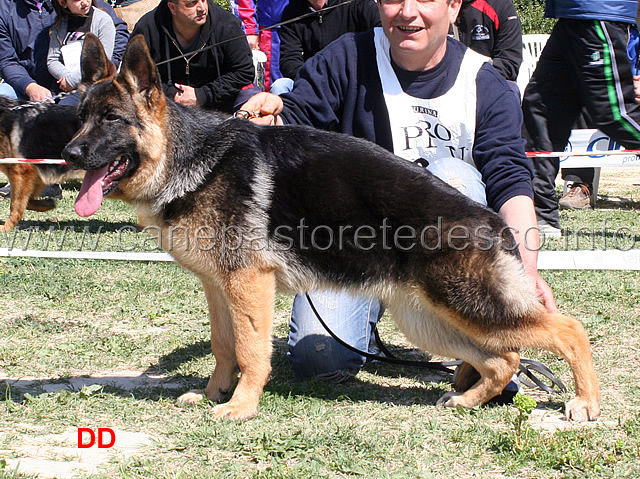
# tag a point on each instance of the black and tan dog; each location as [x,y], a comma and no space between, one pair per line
[253,210]
[35,132]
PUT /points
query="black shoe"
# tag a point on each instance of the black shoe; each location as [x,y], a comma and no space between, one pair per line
[5,191]
[52,191]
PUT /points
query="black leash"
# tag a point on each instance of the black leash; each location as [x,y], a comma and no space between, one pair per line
[527,367]
[315,12]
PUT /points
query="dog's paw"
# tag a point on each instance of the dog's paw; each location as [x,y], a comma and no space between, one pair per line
[582,410]
[235,412]
[450,399]
[192,397]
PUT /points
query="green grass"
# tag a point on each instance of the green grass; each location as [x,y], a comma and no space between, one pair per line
[65,319]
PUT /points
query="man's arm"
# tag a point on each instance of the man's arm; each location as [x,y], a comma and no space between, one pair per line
[245,10]
[10,68]
[122,32]
[498,151]
[507,46]
[237,66]
[519,213]
[291,51]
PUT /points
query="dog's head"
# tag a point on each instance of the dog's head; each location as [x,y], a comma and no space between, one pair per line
[120,142]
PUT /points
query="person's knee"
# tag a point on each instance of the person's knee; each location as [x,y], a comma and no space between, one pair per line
[462,176]
[7,90]
[281,86]
[321,357]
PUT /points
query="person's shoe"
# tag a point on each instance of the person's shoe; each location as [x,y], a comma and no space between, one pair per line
[577,197]
[5,191]
[52,191]
[548,231]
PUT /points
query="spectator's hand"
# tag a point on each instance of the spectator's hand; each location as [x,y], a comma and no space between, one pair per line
[636,87]
[36,92]
[252,40]
[186,95]
[267,106]
[64,86]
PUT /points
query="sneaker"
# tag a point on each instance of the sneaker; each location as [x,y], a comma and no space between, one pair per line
[578,197]
[52,191]
[5,191]
[548,231]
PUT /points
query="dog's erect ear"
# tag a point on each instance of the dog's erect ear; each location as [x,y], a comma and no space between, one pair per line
[94,62]
[138,68]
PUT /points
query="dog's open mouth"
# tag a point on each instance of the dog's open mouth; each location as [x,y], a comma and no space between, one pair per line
[98,183]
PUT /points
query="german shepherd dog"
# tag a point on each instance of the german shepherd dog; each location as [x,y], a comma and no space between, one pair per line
[263,209]
[40,131]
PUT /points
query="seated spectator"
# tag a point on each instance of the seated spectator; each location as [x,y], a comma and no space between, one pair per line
[75,18]
[24,42]
[303,38]
[258,18]
[214,60]
[493,29]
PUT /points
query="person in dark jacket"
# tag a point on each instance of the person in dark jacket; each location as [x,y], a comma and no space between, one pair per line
[211,78]
[493,29]
[410,88]
[583,65]
[24,43]
[302,39]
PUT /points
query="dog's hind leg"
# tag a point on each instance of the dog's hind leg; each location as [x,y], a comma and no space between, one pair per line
[566,337]
[495,372]
[23,180]
[222,347]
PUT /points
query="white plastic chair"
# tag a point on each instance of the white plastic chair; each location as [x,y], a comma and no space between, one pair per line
[532,46]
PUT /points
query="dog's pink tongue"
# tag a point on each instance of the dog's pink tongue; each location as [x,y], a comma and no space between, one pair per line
[90,197]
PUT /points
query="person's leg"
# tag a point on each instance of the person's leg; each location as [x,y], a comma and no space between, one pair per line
[606,85]
[550,107]
[313,353]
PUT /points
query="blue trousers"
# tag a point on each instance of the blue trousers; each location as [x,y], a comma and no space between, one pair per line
[313,353]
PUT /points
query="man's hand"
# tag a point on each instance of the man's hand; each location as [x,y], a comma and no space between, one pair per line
[636,87]
[186,95]
[267,106]
[64,86]
[252,40]
[36,92]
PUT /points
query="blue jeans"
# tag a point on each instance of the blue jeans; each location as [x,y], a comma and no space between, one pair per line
[8,91]
[281,85]
[313,353]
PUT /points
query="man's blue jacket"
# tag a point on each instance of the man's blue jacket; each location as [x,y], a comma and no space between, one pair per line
[612,10]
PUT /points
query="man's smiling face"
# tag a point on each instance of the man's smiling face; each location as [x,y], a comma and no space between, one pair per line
[417,30]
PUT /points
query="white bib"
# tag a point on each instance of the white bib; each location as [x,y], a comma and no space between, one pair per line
[431,128]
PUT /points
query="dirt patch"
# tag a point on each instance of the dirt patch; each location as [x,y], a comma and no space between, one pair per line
[127,380]
[58,455]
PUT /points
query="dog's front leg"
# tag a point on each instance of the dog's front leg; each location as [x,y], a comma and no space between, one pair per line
[222,347]
[250,295]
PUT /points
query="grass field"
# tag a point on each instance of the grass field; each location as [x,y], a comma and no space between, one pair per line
[110,344]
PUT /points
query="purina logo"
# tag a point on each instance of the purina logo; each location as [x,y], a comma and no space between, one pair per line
[87,437]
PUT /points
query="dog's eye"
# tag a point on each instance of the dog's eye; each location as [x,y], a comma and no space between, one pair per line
[111,117]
